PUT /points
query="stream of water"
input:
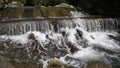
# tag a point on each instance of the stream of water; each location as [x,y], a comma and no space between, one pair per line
[73,42]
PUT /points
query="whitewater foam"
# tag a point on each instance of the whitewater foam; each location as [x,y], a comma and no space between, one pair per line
[73,42]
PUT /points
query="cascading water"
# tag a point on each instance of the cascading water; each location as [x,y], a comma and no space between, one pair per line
[73,42]
[91,25]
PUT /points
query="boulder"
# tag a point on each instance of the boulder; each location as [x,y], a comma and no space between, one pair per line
[55,64]
[31,36]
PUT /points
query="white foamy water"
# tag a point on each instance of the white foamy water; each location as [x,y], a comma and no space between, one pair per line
[73,42]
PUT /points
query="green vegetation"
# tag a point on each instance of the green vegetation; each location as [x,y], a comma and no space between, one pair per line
[73,2]
[52,2]
[45,2]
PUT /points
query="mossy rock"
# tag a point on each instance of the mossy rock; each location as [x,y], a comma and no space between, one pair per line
[57,11]
[31,12]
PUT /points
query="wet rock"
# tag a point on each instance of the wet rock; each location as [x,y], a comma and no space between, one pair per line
[74,63]
[97,64]
[102,49]
[54,50]
[15,63]
[118,31]
[73,48]
[114,62]
[117,38]
[79,32]
[31,36]
[92,37]
[4,63]
[63,33]
[55,64]
[85,45]
[26,64]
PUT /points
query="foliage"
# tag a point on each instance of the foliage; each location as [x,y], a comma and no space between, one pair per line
[55,2]
[29,3]
[52,2]
[73,2]
[46,2]
[22,1]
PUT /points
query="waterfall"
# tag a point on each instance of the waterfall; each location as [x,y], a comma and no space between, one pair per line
[73,42]
[91,25]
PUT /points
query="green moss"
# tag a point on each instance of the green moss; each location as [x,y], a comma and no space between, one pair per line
[73,49]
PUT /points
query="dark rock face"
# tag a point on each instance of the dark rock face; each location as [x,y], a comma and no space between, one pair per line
[101,7]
